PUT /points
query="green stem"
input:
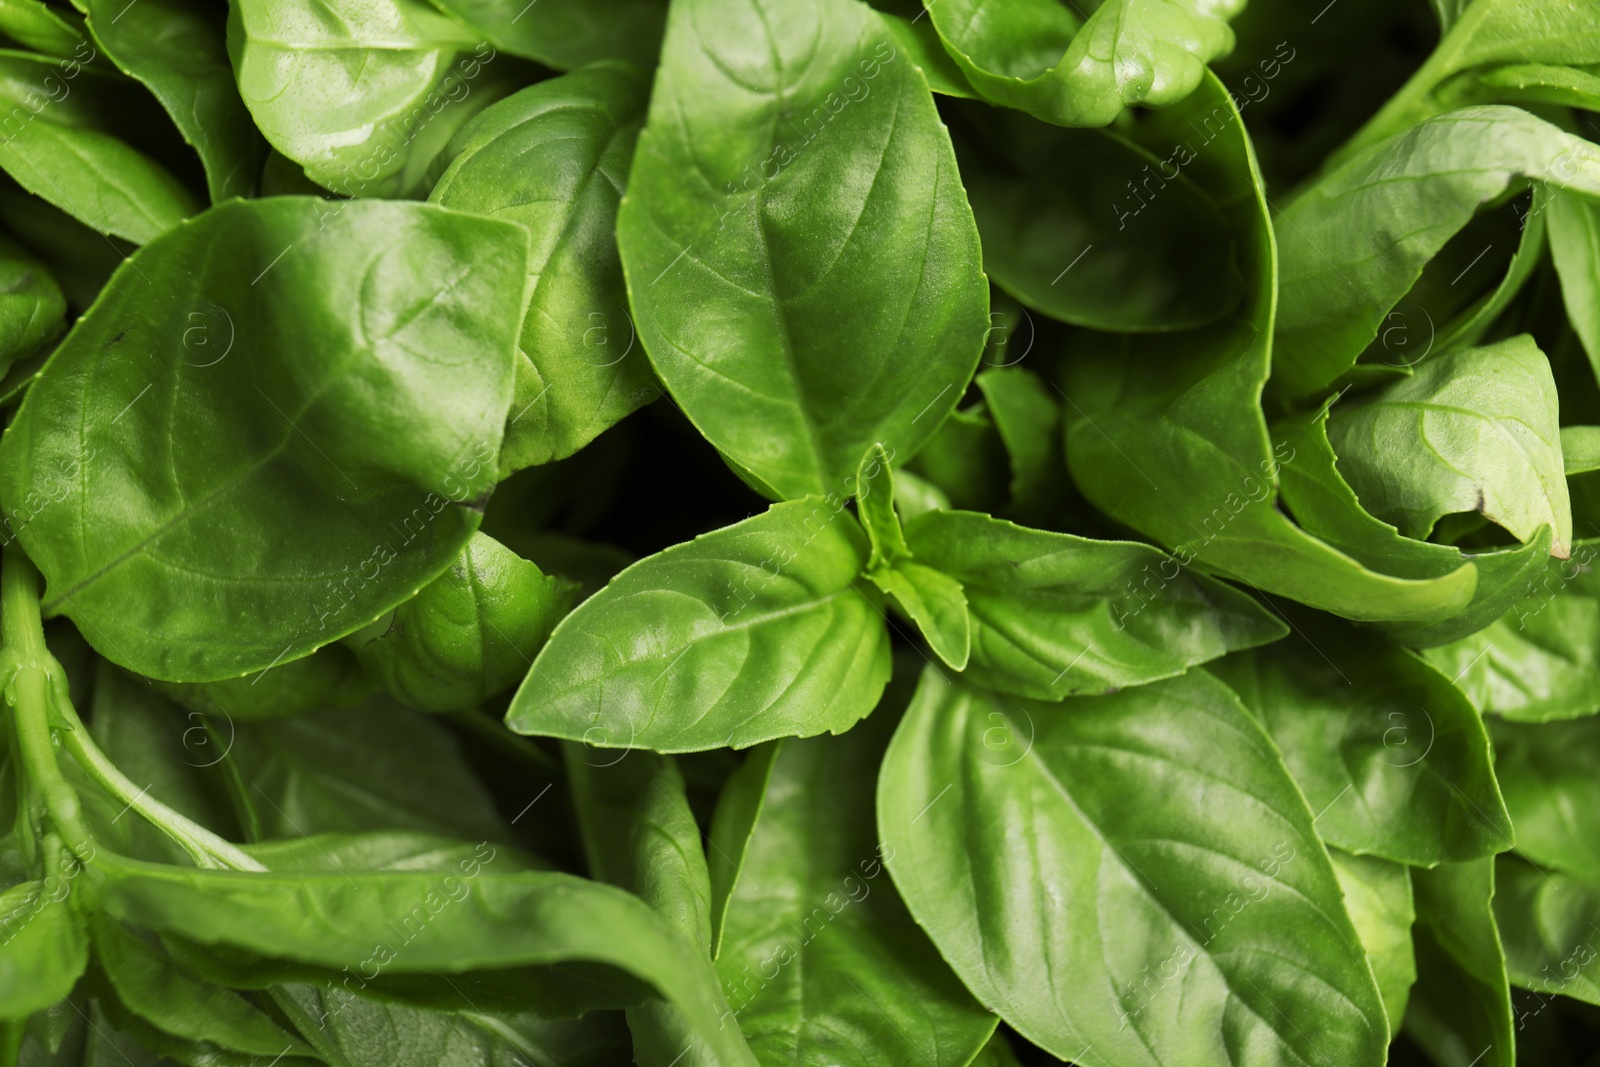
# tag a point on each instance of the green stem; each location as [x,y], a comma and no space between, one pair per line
[40,689]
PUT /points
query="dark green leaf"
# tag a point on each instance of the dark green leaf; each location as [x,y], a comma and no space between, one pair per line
[32,305]
[1460,1008]
[1548,776]
[737,813]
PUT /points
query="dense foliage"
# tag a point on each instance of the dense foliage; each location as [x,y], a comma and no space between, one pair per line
[774,532]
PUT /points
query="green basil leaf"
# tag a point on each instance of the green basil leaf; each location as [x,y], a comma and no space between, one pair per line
[1357,239]
[965,461]
[819,953]
[920,42]
[388,850]
[1393,758]
[1063,218]
[1163,927]
[733,822]
[1461,1005]
[1377,897]
[1547,920]
[41,28]
[1168,436]
[178,50]
[1546,774]
[766,259]
[1035,55]
[149,985]
[45,947]
[1539,661]
[1580,449]
[318,488]
[935,603]
[554,157]
[742,635]
[1472,430]
[567,33]
[62,143]
[1575,248]
[639,834]
[875,507]
[327,679]
[532,928]
[32,306]
[468,634]
[1055,615]
[362,97]
[80,258]
[323,773]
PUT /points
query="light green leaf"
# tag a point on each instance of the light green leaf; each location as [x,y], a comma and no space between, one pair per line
[748,633]
[875,507]
[1547,775]
[1161,938]
[178,50]
[933,601]
[468,634]
[1055,615]
[1035,55]
[737,812]
[61,143]
[819,954]
[1580,449]
[1540,661]
[42,28]
[554,158]
[1065,228]
[1393,759]
[1355,241]
[799,251]
[1472,430]
[1377,897]
[45,946]
[567,33]
[361,94]
[1575,248]
[1460,1008]
[316,485]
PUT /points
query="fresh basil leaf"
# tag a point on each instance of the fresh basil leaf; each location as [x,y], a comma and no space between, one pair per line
[1547,775]
[389,850]
[554,157]
[42,28]
[567,33]
[1063,218]
[468,634]
[1472,430]
[1575,248]
[1461,1005]
[1377,897]
[1168,436]
[316,488]
[365,96]
[916,37]
[765,258]
[818,951]
[32,306]
[324,773]
[965,461]
[1547,920]
[1163,927]
[62,143]
[1055,615]
[329,678]
[737,812]
[531,927]
[1539,661]
[1357,239]
[178,50]
[875,507]
[1035,54]
[80,258]
[742,635]
[1393,759]
[148,984]
[45,947]
[935,603]
[1580,449]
